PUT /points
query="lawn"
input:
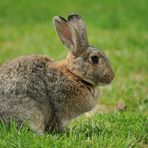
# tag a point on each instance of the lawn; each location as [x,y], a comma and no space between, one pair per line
[120,29]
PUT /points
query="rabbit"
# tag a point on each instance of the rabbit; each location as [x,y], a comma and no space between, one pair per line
[46,94]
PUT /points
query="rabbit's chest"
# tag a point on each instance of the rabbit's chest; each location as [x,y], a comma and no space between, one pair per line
[73,98]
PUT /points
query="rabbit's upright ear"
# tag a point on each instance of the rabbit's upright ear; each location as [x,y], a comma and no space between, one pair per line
[78,23]
[72,33]
[66,32]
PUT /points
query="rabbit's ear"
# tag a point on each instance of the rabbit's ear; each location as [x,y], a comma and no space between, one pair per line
[66,32]
[78,23]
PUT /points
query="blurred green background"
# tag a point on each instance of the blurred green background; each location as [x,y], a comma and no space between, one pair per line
[118,27]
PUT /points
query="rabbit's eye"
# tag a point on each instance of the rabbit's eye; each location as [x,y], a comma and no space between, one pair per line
[95,59]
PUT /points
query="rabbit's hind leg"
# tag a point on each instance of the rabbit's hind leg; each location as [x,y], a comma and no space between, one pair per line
[36,121]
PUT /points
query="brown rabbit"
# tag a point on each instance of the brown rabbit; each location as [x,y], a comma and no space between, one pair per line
[46,94]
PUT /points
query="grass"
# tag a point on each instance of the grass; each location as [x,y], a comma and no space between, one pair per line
[101,130]
[120,29]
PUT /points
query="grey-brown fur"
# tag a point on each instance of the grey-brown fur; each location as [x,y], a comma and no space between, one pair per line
[47,94]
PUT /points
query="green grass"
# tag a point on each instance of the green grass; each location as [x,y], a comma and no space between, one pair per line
[105,130]
[120,29]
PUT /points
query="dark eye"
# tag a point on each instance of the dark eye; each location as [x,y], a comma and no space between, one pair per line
[95,59]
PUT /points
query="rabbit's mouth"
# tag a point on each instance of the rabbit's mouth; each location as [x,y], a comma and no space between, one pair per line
[101,84]
[100,81]
[106,79]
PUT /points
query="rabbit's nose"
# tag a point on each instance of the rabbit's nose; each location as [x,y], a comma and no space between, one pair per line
[107,78]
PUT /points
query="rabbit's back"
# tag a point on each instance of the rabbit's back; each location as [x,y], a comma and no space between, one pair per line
[18,76]
[22,85]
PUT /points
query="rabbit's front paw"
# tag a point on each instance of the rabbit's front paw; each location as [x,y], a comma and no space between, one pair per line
[56,127]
